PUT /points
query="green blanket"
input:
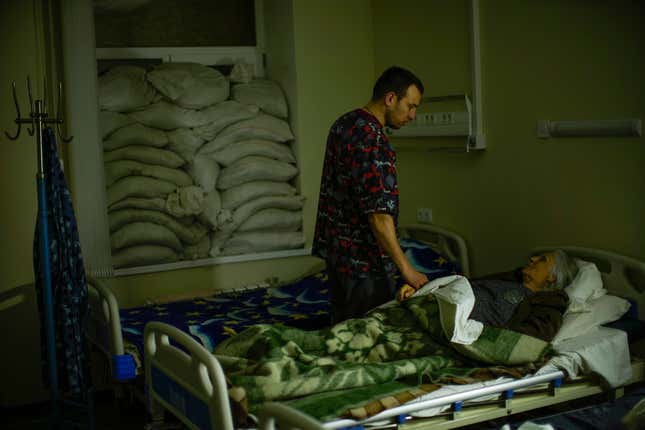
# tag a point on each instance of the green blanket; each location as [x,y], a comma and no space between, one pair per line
[328,372]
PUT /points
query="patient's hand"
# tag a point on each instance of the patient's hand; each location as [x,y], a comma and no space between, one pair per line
[405,292]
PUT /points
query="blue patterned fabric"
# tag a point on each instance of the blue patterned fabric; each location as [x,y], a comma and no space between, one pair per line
[210,320]
[69,287]
[426,260]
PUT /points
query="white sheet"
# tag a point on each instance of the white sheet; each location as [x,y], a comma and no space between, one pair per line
[605,352]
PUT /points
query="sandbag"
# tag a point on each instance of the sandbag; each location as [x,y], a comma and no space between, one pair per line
[265,94]
[212,207]
[222,115]
[190,85]
[145,154]
[190,234]
[255,168]
[235,196]
[185,201]
[135,134]
[241,73]
[168,116]
[263,126]
[244,148]
[184,142]
[205,171]
[154,203]
[144,233]
[115,170]
[241,214]
[124,89]
[199,250]
[109,122]
[273,219]
[143,255]
[254,242]
[138,186]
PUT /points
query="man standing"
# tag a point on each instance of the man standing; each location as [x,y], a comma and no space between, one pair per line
[359,200]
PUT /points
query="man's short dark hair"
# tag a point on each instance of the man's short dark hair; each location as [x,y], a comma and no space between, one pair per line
[395,79]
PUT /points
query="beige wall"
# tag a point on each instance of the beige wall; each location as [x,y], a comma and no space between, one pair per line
[541,60]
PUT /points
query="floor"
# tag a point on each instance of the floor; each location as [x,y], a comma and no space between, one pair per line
[109,414]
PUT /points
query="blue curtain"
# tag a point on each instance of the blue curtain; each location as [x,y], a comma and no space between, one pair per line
[69,288]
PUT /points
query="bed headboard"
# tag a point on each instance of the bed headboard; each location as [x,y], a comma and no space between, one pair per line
[621,275]
[447,243]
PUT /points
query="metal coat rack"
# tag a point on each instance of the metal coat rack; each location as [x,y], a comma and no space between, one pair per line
[38,120]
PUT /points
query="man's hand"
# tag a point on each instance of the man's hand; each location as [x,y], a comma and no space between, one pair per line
[414,281]
[414,278]
[405,292]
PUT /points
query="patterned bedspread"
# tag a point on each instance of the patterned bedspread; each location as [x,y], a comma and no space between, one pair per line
[303,304]
[210,320]
[398,349]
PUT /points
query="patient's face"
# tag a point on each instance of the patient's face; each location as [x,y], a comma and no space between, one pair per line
[537,274]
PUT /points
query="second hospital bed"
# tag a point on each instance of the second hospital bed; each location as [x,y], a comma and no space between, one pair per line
[189,381]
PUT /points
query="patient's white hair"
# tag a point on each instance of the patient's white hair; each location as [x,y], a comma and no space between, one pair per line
[564,270]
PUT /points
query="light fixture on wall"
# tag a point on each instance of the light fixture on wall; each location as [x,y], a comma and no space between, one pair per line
[614,127]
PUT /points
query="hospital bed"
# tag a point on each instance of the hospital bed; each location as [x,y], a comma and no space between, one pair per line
[184,378]
[118,333]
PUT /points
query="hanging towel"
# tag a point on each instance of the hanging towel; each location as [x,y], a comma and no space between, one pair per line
[69,288]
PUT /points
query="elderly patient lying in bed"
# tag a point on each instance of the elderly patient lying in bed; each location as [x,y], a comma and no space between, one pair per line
[528,300]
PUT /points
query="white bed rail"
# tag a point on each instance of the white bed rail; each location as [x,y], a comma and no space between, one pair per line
[104,323]
[185,378]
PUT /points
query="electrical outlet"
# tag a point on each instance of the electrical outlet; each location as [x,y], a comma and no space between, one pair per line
[424,215]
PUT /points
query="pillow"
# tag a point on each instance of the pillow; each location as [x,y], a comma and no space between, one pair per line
[426,260]
[587,285]
[602,310]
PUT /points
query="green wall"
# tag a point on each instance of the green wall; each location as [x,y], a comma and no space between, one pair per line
[540,60]
[22,43]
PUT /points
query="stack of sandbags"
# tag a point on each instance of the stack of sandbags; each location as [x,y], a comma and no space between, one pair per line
[257,165]
[191,172]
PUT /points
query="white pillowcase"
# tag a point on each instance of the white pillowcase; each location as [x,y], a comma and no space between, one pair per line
[587,285]
[602,310]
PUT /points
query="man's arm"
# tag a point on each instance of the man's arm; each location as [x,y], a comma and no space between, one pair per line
[382,226]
